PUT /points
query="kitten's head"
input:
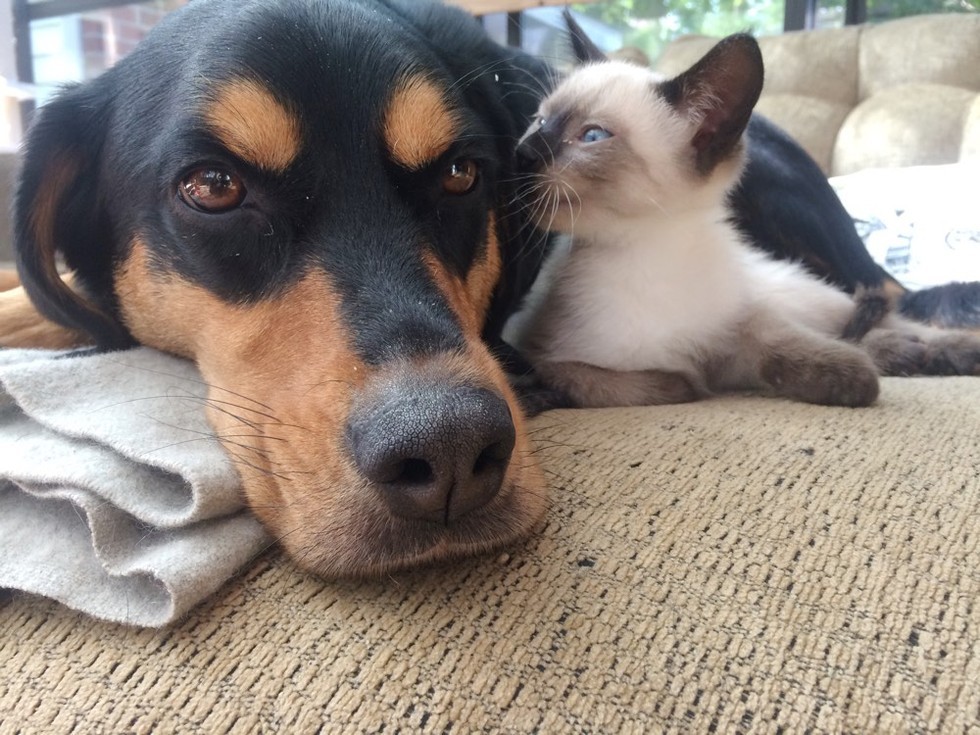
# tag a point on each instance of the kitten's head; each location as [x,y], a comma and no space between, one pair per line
[616,141]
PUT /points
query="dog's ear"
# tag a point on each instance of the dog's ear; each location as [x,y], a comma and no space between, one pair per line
[59,212]
[718,94]
[585,50]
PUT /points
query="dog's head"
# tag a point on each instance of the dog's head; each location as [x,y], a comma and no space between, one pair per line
[313,201]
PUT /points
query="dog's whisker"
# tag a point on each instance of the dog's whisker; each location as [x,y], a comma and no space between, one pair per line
[192,380]
[479,71]
[238,459]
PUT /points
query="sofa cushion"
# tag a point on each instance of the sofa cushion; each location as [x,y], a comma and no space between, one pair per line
[970,147]
[938,49]
[907,125]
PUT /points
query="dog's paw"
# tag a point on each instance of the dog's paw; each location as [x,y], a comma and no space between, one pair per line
[844,377]
[535,396]
[896,352]
[953,353]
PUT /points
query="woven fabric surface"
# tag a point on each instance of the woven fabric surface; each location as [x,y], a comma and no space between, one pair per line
[740,564]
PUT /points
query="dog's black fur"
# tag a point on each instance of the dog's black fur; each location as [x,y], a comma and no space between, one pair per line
[135,131]
[784,204]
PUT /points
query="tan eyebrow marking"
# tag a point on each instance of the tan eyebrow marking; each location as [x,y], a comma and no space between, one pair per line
[255,126]
[418,126]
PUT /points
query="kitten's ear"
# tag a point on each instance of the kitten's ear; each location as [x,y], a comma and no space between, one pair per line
[585,51]
[718,94]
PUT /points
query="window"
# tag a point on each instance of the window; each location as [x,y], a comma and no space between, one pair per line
[648,25]
[60,41]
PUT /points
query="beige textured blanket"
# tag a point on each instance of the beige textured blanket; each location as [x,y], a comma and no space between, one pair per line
[740,564]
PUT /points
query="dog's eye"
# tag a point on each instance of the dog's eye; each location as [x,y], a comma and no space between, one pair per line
[460,177]
[213,190]
[594,134]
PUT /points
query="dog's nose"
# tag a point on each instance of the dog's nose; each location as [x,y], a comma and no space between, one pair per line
[435,452]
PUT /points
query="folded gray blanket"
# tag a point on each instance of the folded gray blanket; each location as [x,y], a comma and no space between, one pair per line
[115,498]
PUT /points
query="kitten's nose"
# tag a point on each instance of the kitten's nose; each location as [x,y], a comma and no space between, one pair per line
[539,148]
[530,156]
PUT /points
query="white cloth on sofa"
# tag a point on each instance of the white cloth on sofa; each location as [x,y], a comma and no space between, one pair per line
[115,498]
[920,223]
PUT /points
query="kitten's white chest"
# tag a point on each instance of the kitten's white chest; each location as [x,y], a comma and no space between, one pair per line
[650,297]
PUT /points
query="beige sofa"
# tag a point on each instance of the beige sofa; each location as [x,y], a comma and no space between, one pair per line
[736,565]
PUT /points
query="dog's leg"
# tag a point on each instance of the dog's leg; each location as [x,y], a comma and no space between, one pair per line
[871,307]
[589,386]
[903,347]
[22,326]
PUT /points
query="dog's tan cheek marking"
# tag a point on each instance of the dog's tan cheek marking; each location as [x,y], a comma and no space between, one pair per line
[470,299]
[282,374]
[485,273]
[254,125]
[454,291]
[418,125]
[154,305]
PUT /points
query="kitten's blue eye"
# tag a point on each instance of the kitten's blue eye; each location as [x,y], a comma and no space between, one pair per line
[594,134]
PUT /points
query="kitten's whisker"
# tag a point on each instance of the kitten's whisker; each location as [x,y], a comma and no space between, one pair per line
[572,214]
[655,203]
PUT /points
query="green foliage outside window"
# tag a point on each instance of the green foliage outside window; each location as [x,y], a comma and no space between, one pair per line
[884,9]
[650,24]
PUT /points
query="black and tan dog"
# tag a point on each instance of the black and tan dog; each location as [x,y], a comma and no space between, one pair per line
[314,202]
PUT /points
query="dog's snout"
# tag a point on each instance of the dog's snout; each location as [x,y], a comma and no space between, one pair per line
[435,453]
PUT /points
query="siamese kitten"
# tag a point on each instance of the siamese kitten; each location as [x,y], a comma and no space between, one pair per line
[657,298]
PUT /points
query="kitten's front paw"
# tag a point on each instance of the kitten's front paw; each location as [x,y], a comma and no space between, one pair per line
[844,377]
[590,386]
